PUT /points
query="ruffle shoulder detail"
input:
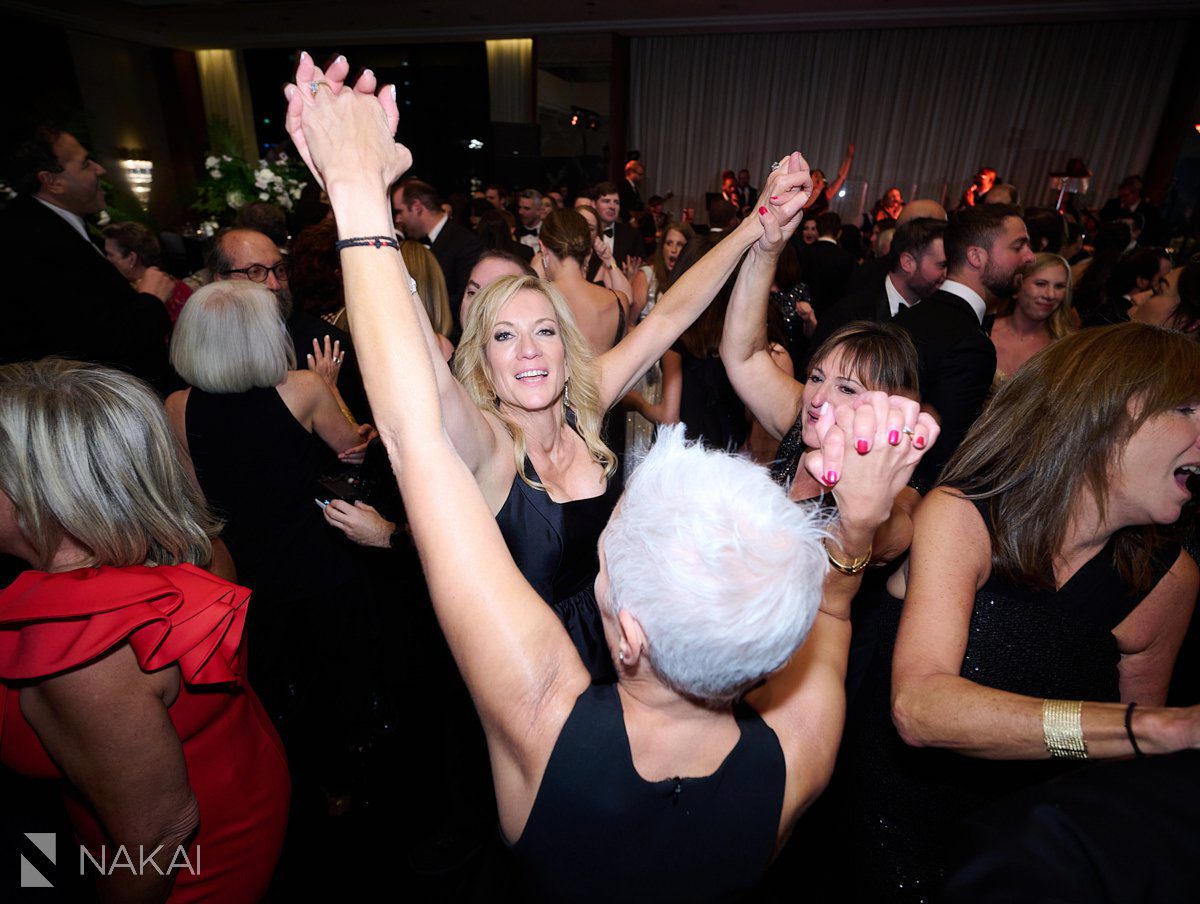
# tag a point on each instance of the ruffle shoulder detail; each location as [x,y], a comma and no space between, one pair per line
[169,614]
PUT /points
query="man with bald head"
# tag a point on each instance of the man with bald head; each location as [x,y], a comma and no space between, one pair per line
[922,208]
[251,255]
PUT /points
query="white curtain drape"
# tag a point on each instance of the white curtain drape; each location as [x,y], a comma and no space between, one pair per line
[226,93]
[510,79]
[925,106]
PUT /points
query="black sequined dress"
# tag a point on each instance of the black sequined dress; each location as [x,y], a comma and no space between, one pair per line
[905,803]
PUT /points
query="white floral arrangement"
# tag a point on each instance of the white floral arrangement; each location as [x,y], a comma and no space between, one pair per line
[232,183]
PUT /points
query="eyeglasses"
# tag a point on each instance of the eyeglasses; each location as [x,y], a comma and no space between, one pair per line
[258,272]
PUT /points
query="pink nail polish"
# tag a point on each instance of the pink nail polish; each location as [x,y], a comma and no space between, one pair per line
[762,211]
[774,197]
[894,437]
[919,442]
[862,447]
[831,477]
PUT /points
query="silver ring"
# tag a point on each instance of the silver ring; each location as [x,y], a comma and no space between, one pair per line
[338,360]
[908,432]
[774,166]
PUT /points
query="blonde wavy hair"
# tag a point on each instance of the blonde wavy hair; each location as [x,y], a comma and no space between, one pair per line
[431,285]
[1059,323]
[470,366]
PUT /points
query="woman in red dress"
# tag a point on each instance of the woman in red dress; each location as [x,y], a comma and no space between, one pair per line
[122,662]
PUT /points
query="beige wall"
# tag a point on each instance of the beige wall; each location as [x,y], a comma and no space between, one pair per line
[119,89]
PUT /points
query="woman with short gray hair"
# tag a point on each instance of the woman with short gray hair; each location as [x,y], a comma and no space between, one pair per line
[682,779]
[259,435]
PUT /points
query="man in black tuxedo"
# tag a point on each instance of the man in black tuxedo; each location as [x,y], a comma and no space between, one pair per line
[630,191]
[252,255]
[918,259]
[1131,200]
[985,247]
[747,193]
[825,266]
[622,238]
[418,212]
[62,296]
[529,218]
[871,271]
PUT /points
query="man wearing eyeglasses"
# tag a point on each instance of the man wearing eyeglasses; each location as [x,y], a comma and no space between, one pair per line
[252,255]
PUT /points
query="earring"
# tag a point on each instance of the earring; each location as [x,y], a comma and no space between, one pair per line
[621,655]
[567,393]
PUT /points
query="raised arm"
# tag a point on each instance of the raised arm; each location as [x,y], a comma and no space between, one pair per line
[804,702]
[843,172]
[933,706]
[772,396]
[666,411]
[783,198]
[518,663]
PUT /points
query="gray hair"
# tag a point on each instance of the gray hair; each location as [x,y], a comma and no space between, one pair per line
[532,194]
[231,337]
[86,453]
[723,572]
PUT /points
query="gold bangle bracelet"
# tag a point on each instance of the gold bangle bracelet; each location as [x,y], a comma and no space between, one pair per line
[1062,729]
[854,566]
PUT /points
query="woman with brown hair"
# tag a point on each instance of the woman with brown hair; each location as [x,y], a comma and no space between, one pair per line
[601,314]
[654,277]
[1044,609]
[860,357]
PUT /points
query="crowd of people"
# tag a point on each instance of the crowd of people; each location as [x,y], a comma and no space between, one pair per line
[732,560]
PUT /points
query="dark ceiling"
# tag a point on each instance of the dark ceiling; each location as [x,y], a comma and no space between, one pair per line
[196,24]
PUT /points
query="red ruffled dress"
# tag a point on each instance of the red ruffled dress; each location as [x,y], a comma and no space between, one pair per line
[169,615]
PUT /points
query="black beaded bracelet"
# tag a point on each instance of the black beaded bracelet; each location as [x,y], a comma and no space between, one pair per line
[1129,730]
[368,241]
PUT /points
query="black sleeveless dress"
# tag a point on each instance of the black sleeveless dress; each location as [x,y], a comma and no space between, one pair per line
[554,546]
[709,408]
[905,803]
[600,832]
[311,623]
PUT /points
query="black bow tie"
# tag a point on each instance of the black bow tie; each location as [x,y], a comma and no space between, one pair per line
[426,241]
[607,233]
[522,232]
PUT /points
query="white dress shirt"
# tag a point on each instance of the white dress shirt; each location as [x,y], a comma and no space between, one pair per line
[895,300]
[437,230]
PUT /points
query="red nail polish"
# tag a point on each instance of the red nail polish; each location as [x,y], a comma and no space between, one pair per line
[862,446]
[774,197]
[894,437]
[762,211]
[919,442]
[831,477]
